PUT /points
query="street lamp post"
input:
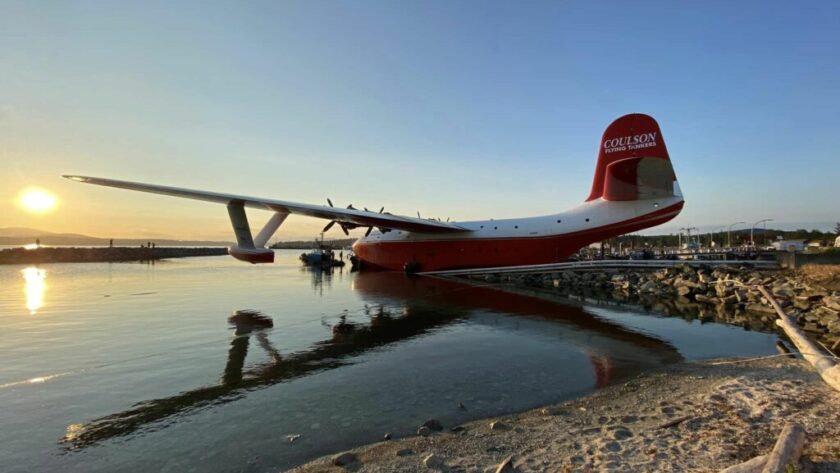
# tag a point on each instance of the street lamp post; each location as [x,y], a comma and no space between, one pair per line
[718,230]
[688,233]
[752,241]
[729,233]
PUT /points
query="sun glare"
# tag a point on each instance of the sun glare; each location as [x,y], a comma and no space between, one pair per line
[35,287]
[36,200]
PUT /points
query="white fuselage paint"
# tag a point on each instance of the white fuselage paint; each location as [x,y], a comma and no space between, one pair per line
[593,214]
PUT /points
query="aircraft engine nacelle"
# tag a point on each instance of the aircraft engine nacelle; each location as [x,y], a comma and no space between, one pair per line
[252,255]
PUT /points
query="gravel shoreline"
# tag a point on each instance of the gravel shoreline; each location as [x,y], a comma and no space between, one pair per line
[688,417]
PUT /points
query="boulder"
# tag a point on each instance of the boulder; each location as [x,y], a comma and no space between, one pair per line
[686,269]
[498,425]
[506,466]
[724,289]
[433,425]
[802,303]
[832,302]
[783,290]
[730,300]
[433,461]
[344,459]
[760,309]
[706,299]
[648,287]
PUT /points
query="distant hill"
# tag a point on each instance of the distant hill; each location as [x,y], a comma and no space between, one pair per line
[23,236]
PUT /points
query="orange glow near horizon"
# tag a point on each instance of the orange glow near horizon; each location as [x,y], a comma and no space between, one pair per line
[36,200]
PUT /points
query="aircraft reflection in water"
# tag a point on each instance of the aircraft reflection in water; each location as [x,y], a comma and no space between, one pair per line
[424,305]
[322,277]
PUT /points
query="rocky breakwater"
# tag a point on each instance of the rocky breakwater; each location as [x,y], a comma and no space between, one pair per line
[93,255]
[729,294]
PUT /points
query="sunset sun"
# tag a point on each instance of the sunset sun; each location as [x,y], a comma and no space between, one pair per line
[36,200]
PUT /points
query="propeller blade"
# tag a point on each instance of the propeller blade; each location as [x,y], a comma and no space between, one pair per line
[351,207]
[366,209]
[383,208]
[344,229]
[418,214]
[370,229]
[329,225]
[329,201]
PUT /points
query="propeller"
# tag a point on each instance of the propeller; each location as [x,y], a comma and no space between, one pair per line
[333,222]
[349,226]
[370,228]
[344,226]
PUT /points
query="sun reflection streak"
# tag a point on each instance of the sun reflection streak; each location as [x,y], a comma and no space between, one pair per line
[35,287]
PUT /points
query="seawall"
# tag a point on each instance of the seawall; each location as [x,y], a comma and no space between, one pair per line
[98,255]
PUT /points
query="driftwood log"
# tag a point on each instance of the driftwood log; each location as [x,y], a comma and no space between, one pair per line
[827,368]
[751,466]
[783,350]
[786,452]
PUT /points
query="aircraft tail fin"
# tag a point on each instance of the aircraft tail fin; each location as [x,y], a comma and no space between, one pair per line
[633,162]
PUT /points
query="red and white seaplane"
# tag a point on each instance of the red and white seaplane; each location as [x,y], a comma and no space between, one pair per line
[634,188]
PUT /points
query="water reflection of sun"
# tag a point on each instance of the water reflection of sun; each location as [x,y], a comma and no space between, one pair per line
[35,287]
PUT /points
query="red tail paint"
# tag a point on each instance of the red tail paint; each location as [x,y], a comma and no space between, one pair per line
[631,136]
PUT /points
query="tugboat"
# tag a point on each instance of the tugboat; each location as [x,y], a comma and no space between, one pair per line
[321,257]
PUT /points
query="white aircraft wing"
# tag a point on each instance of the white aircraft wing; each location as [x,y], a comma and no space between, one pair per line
[350,217]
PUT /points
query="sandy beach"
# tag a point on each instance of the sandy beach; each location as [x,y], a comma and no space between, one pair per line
[692,417]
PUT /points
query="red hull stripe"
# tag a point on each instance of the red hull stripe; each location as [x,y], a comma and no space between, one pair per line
[436,255]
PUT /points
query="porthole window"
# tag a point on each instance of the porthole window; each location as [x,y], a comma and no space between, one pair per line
[482,226]
[559,221]
[587,219]
[495,228]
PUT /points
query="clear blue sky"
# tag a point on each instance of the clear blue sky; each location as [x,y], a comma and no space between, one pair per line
[460,109]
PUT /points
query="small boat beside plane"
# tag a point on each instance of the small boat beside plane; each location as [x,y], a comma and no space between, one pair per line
[634,187]
[322,256]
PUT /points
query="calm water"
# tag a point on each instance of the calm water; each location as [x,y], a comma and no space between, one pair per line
[172,366]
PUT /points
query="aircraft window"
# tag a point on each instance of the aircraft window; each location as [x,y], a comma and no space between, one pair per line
[587,219]
[656,205]
[559,221]
[495,228]
[482,226]
[516,226]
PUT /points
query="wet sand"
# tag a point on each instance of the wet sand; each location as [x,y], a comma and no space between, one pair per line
[719,415]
